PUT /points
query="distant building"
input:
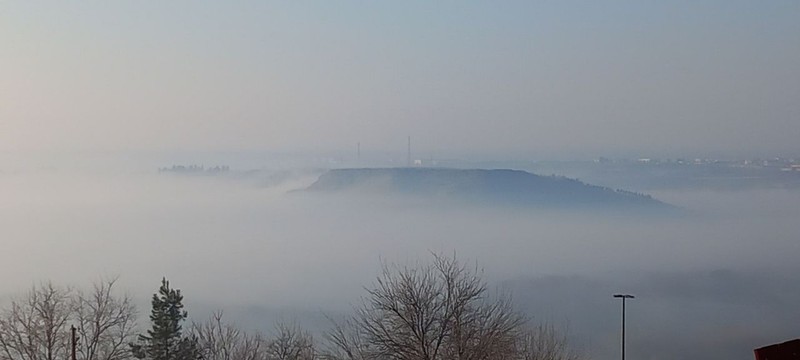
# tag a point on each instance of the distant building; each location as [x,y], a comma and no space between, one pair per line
[789,350]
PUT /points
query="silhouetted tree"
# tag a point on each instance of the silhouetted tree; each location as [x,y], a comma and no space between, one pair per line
[36,327]
[220,340]
[290,342]
[544,342]
[105,322]
[164,340]
[439,311]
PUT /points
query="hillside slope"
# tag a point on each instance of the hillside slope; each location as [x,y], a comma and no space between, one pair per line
[504,187]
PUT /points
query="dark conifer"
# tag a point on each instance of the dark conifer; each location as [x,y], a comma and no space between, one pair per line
[164,340]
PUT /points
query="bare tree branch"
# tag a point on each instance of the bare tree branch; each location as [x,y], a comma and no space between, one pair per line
[35,327]
[545,342]
[289,342]
[433,312]
[219,340]
[105,323]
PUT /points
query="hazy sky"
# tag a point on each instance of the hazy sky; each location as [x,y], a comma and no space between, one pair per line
[511,77]
[714,285]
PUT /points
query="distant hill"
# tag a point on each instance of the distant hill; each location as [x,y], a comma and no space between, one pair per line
[500,187]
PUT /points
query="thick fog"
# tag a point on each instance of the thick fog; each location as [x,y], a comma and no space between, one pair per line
[718,280]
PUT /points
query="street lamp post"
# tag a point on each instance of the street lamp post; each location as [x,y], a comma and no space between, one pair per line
[623,297]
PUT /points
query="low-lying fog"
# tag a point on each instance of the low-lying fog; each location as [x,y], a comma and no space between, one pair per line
[715,283]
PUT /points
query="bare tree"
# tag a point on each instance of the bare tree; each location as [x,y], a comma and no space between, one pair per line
[252,347]
[290,342]
[545,342]
[36,326]
[219,340]
[105,323]
[439,311]
[346,342]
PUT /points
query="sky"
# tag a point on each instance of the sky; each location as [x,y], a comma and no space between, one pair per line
[509,79]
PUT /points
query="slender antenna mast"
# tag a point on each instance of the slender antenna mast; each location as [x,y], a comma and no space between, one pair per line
[358,152]
[409,151]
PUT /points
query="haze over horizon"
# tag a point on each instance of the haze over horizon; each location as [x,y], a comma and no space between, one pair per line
[551,80]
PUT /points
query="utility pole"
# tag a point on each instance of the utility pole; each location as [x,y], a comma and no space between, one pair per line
[74,343]
[623,297]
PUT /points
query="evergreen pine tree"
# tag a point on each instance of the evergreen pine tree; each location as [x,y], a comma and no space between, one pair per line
[164,340]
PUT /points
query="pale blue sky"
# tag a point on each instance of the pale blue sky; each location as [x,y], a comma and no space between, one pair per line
[498,78]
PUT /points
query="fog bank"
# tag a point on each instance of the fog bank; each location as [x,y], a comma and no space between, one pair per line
[262,252]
